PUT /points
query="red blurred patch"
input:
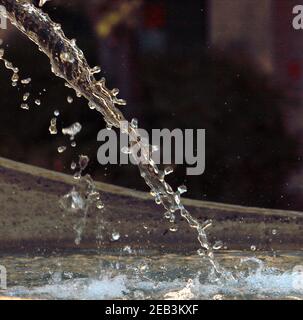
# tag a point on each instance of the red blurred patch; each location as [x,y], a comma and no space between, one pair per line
[294,70]
[154,16]
[58,165]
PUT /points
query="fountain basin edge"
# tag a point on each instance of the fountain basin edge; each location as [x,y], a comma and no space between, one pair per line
[32,219]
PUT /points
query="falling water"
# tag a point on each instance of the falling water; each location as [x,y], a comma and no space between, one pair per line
[68,62]
[8,65]
[82,197]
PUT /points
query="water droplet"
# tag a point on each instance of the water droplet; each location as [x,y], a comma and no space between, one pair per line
[70,99]
[274,232]
[134,123]
[68,85]
[120,102]
[24,106]
[91,105]
[61,149]
[53,126]
[158,200]
[143,267]
[126,150]
[26,96]
[206,224]
[73,165]
[201,252]
[127,249]
[73,144]
[56,113]
[8,65]
[182,189]
[77,175]
[172,218]
[109,126]
[253,248]
[37,102]
[173,228]
[99,205]
[167,214]
[83,161]
[94,196]
[115,236]
[168,170]
[72,130]
[26,81]
[218,245]
[115,92]
[95,70]
[15,77]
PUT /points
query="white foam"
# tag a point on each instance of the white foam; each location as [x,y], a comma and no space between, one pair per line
[268,283]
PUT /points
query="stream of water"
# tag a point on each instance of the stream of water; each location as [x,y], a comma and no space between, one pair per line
[128,274]
[68,62]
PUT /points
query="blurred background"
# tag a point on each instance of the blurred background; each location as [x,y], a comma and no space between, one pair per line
[233,67]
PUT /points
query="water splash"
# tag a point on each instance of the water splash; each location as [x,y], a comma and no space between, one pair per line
[68,62]
[82,197]
[135,276]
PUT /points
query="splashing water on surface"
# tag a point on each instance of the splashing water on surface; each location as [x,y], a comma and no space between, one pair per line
[131,275]
[68,62]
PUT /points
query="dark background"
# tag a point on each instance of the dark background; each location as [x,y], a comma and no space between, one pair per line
[178,68]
